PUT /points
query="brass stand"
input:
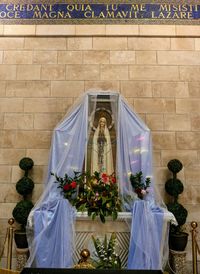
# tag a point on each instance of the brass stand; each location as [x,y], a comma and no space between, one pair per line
[10,243]
[178,261]
[195,247]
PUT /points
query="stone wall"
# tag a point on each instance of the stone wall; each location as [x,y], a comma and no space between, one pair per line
[43,69]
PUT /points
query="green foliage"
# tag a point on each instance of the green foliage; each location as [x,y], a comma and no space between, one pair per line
[26,163]
[96,194]
[24,186]
[105,253]
[174,187]
[21,212]
[174,166]
[139,184]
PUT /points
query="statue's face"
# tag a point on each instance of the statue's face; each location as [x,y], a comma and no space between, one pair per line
[102,122]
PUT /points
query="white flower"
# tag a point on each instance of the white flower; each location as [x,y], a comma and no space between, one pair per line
[143,192]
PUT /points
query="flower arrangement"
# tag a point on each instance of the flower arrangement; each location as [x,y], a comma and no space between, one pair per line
[139,184]
[105,253]
[97,194]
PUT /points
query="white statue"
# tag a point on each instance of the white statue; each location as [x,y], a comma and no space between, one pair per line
[102,158]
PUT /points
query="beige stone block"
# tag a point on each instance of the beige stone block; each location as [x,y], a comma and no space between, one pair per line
[46,121]
[82,72]
[19,30]
[195,122]
[154,105]
[70,57]
[5,174]
[53,72]
[39,156]
[188,140]
[163,140]
[102,85]
[17,57]
[11,105]
[154,73]
[28,88]
[187,157]
[187,106]
[63,104]
[189,73]
[11,156]
[26,139]
[161,175]
[156,158]
[18,121]
[1,29]
[28,72]
[1,57]
[182,43]
[38,174]
[18,173]
[8,72]
[187,30]
[119,30]
[178,57]
[114,72]
[155,121]
[40,105]
[146,43]
[79,43]
[122,57]
[55,30]
[197,43]
[194,89]
[109,43]
[2,88]
[136,88]
[96,57]
[177,122]
[45,43]
[192,176]
[6,210]
[67,88]
[9,194]
[146,57]
[190,196]
[10,43]
[90,30]
[157,30]
[170,89]
[45,57]
[1,120]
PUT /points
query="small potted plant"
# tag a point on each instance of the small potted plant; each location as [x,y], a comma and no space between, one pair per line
[22,209]
[177,237]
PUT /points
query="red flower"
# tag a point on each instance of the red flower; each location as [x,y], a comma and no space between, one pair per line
[73,184]
[66,187]
[113,179]
[105,178]
[138,190]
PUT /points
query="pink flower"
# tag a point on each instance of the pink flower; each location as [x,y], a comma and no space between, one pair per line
[143,192]
[73,184]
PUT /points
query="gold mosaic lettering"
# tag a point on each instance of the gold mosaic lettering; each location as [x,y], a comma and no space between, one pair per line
[138,7]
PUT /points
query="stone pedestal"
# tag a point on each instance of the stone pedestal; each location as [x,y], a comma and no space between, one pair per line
[22,255]
[178,261]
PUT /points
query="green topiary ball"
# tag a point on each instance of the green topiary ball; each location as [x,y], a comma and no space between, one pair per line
[21,211]
[26,163]
[175,166]
[174,187]
[25,186]
[179,212]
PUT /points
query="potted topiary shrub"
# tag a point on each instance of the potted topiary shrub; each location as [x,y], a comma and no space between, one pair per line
[177,237]
[22,209]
